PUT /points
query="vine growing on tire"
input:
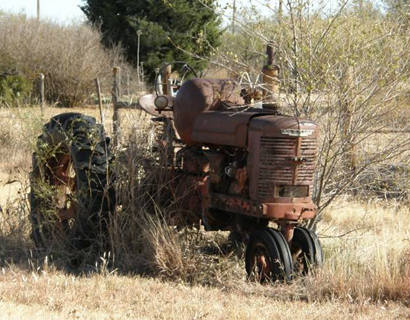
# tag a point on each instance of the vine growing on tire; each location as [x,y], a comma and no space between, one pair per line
[72,194]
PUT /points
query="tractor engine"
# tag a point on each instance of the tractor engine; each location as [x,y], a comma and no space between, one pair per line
[245,165]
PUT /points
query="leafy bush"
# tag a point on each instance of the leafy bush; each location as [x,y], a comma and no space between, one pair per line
[14,89]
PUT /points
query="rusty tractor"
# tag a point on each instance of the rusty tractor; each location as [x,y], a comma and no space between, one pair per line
[250,171]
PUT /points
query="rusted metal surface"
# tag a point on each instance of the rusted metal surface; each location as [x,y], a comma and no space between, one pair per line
[216,160]
[146,103]
[195,162]
[271,82]
[260,262]
[277,158]
[240,162]
[236,204]
[200,95]
[287,230]
[222,128]
[273,211]
[63,178]
[240,181]
[275,180]
[289,211]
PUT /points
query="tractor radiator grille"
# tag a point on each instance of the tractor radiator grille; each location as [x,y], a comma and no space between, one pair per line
[277,168]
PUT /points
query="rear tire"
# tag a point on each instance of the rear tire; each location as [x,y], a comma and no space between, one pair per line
[72,194]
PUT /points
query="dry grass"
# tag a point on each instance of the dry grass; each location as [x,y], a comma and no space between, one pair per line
[370,259]
[197,275]
[52,295]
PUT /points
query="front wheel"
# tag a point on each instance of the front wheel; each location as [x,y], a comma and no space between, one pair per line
[268,257]
[306,250]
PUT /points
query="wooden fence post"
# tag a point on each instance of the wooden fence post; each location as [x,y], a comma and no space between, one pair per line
[166,75]
[115,99]
[128,84]
[142,75]
[98,87]
[42,94]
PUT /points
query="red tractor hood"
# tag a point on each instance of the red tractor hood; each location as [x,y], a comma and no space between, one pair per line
[231,128]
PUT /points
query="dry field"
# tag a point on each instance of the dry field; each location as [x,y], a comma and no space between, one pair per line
[366,273]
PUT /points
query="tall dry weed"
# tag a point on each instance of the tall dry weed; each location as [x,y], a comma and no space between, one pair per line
[367,252]
[15,243]
[142,234]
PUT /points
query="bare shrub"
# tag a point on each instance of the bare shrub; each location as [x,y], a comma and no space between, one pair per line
[344,66]
[71,57]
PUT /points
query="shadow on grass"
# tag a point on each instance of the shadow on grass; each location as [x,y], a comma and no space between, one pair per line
[19,251]
[16,251]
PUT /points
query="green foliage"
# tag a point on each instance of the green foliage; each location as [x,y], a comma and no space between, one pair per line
[14,89]
[178,30]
